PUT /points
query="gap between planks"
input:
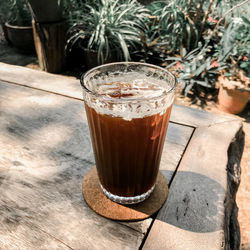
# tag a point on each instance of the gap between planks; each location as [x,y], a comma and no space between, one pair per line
[170,182]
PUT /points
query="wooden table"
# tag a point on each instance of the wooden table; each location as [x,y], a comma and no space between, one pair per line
[45,151]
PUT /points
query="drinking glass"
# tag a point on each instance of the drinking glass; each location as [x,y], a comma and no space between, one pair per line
[128,106]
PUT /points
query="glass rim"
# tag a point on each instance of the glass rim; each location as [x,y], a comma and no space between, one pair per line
[125,100]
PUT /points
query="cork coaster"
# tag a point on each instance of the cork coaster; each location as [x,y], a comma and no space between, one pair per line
[97,200]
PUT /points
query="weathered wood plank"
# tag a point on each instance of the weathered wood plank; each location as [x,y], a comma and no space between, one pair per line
[175,143]
[71,87]
[194,215]
[179,134]
[197,118]
[68,86]
[46,151]
[32,237]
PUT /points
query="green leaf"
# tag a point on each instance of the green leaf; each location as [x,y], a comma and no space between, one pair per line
[188,87]
[245,20]
[200,69]
[124,48]
[203,83]
[188,29]
[173,58]
[183,85]
[184,53]
[245,65]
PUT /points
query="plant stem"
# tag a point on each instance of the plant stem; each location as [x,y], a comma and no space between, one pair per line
[216,26]
[233,8]
[199,8]
[200,5]
[205,17]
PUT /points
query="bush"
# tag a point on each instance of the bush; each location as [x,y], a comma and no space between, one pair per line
[109,27]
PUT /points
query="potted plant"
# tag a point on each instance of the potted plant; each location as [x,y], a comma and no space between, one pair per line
[234,81]
[16,17]
[175,26]
[107,30]
[50,29]
[4,13]
[197,73]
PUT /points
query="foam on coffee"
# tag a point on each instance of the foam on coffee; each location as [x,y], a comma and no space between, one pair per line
[130,90]
[130,96]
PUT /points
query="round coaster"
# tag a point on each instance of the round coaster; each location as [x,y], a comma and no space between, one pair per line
[97,200]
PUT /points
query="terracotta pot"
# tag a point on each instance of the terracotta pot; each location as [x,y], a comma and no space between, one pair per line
[232,100]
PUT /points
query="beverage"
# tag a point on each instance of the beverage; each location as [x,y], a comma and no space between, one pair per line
[127,153]
[128,121]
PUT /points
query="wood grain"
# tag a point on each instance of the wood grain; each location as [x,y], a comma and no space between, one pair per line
[71,87]
[197,118]
[26,236]
[195,206]
[45,152]
[68,86]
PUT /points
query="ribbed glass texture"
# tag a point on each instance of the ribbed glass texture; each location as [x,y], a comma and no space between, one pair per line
[127,133]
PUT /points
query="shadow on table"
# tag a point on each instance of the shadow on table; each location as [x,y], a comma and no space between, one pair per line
[195,203]
[246,113]
[10,55]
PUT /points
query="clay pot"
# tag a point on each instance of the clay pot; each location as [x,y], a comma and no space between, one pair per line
[230,98]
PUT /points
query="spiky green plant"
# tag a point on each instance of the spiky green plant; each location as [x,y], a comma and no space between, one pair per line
[15,12]
[110,27]
[174,26]
[4,11]
[234,47]
[197,68]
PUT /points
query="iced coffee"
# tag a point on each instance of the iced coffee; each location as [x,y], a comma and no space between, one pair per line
[128,106]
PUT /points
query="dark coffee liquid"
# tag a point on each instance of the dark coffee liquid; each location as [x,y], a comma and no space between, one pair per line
[127,152]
